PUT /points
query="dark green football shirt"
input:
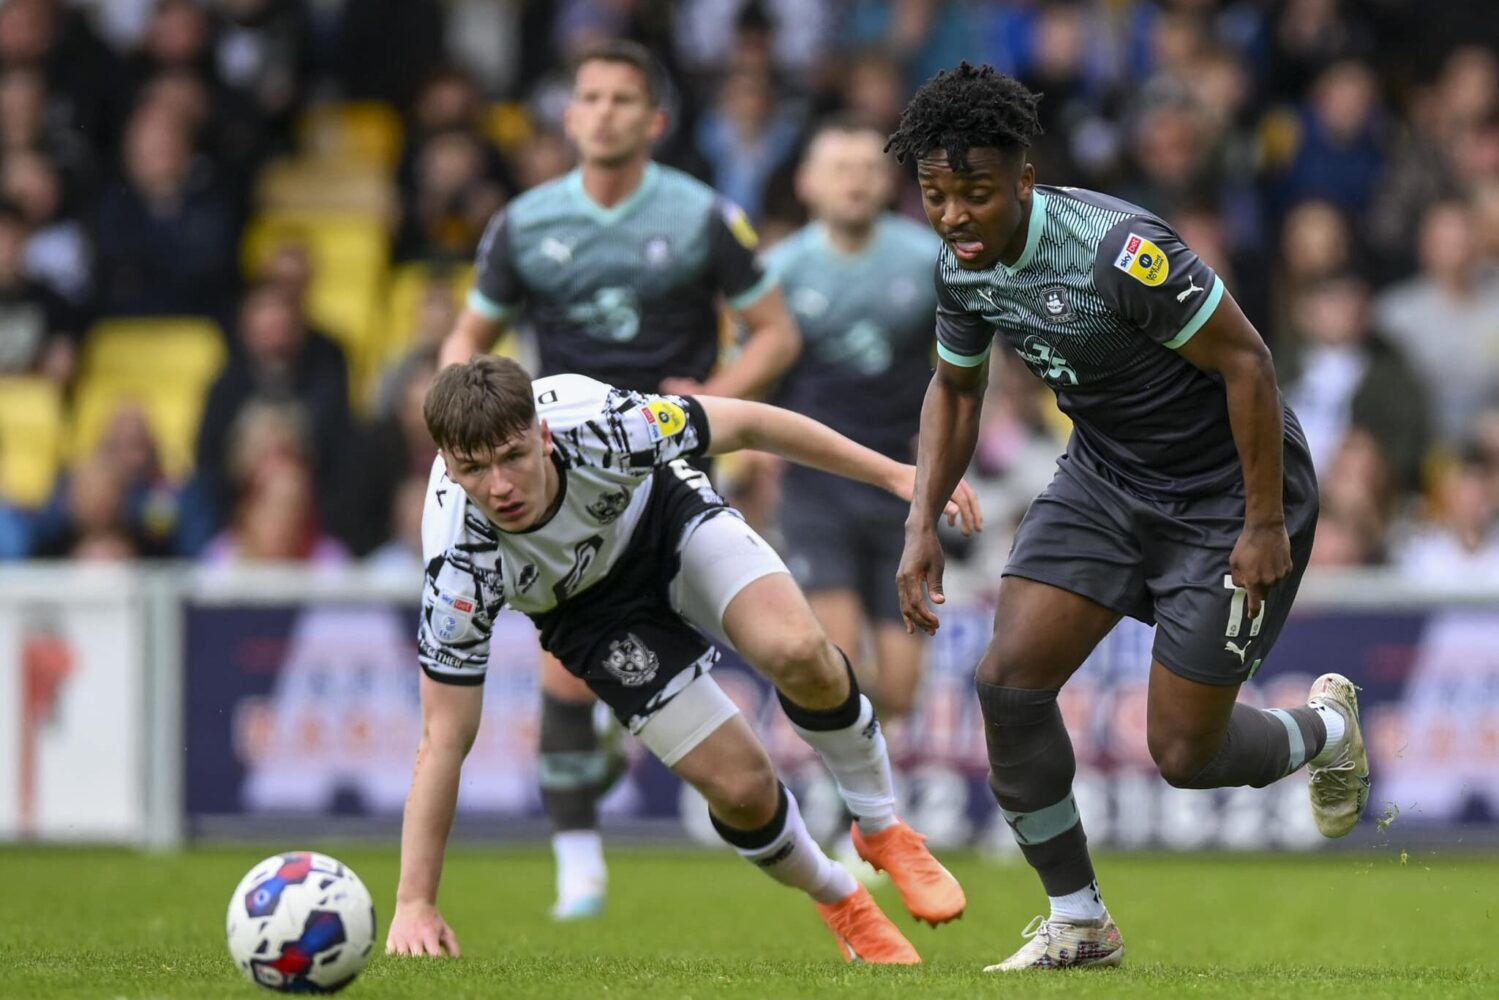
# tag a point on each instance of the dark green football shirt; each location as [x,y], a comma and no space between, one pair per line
[1096,305]
[628,294]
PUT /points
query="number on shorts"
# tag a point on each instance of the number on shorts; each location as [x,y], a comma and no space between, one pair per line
[1236,610]
[694,478]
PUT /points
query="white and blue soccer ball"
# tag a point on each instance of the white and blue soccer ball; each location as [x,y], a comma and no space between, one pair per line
[301,923]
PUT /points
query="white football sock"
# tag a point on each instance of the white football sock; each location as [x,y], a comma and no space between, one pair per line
[860,764]
[1075,907]
[580,863]
[792,857]
[1336,726]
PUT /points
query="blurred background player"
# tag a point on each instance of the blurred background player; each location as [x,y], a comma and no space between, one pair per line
[618,269]
[858,280]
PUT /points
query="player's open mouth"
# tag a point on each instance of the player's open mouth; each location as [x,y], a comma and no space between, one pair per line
[511,511]
[966,249]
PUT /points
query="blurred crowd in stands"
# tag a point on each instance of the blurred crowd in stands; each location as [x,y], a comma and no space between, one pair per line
[233,231]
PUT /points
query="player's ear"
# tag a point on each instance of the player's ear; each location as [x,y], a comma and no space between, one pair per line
[658,125]
[1027,181]
[802,183]
[546,438]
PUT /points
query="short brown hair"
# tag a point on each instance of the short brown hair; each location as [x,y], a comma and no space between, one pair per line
[629,53]
[474,407]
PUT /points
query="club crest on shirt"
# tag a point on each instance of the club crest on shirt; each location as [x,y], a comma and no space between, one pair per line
[631,661]
[527,577]
[609,506]
[1143,260]
[1056,307]
[809,302]
[555,250]
[657,251]
[903,292]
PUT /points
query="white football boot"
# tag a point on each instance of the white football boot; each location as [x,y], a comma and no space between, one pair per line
[1057,944]
[1339,788]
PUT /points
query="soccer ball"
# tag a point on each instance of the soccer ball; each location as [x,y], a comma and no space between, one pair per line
[301,923]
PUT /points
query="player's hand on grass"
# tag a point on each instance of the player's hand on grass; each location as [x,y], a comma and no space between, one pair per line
[418,929]
[921,563]
[962,507]
[1261,559]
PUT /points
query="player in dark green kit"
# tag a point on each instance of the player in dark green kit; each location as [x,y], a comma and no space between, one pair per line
[1186,497]
[856,278]
[618,269]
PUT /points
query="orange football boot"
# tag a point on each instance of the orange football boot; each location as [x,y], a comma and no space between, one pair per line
[864,933]
[929,891]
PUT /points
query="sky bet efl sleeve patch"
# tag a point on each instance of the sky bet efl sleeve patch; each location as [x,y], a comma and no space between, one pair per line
[739,225]
[1166,291]
[1143,260]
[664,418]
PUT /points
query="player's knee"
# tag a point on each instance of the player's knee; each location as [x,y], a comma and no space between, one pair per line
[745,797]
[1179,760]
[798,659]
[1003,666]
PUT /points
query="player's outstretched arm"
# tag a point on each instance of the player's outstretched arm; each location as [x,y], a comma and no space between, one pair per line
[472,334]
[450,721]
[949,434]
[735,424]
[1229,345]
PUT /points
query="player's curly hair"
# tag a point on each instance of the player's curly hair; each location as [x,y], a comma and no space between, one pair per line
[968,108]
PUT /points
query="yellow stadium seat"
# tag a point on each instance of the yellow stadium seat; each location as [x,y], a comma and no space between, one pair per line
[341,243]
[350,255]
[31,432]
[168,348]
[166,365]
[367,131]
[347,311]
[408,284]
[507,124]
[173,411]
[325,184]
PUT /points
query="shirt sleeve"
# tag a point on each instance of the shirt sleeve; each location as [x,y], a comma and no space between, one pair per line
[963,337]
[1147,275]
[457,619]
[732,242]
[497,293]
[656,429]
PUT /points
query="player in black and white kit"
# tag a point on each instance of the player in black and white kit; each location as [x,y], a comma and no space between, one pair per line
[571,500]
[619,269]
[1186,497]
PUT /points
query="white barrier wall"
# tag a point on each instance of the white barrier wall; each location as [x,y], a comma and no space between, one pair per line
[138,706]
[72,705]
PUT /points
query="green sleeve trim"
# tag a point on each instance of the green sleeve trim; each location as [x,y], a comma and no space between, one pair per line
[1209,305]
[487,307]
[754,293]
[962,360]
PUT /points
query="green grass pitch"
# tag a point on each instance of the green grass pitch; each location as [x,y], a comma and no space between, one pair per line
[703,925]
